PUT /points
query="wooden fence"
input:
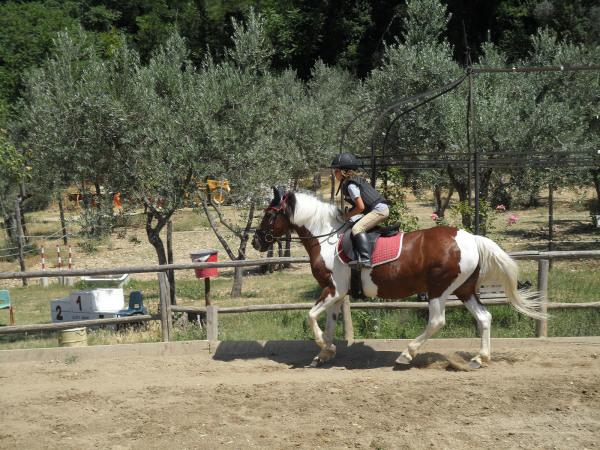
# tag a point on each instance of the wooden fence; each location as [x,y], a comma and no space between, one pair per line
[212,312]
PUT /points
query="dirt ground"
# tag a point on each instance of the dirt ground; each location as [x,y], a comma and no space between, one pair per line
[534,396]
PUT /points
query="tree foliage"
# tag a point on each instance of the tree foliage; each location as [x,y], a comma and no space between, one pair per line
[133,101]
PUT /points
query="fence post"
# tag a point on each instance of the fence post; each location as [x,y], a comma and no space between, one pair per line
[212,323]
[347,319]
[542,324]
[166,320]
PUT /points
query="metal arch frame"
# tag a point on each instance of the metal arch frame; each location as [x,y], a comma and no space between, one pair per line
[387,108]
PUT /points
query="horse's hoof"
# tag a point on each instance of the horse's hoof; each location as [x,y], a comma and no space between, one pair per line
[474,364]
[317,362]
[402,360]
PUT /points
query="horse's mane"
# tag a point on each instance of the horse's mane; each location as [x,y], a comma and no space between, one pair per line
[311,212]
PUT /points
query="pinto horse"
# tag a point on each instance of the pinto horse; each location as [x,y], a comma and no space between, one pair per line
[440,261]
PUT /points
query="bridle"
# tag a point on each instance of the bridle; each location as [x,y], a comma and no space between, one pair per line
[266,235]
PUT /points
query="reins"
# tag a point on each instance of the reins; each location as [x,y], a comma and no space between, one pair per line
[299,238]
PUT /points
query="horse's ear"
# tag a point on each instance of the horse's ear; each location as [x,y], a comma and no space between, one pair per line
[281,191]
[276,192]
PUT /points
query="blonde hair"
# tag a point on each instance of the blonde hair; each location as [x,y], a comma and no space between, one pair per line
[348,173]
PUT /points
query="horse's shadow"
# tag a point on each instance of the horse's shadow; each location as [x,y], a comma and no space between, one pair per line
[353,356]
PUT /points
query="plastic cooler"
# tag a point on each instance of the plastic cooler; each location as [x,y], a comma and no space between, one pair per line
[205,256]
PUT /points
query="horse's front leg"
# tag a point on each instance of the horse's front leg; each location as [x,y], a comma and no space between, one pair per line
[331,303]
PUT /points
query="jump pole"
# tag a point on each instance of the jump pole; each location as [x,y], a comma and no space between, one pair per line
[61,280]
[43,280]
[70,280]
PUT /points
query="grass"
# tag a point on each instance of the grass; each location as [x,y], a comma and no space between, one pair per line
[31,305]
[569,281]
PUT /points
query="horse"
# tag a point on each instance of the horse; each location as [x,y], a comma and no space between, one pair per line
[439,261]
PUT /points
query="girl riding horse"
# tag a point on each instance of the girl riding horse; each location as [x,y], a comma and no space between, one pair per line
[440,261]
[364,200]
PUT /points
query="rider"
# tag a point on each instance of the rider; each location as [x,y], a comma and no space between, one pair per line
[364,200]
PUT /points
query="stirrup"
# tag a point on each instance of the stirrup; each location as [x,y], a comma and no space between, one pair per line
[359,264]
[366,264]
[355,265]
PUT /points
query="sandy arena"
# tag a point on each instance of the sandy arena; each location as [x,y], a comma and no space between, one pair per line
[534,394]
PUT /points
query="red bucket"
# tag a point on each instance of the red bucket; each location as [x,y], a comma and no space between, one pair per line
[205,256]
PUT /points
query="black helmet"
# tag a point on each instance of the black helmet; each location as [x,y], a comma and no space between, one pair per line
[344,161]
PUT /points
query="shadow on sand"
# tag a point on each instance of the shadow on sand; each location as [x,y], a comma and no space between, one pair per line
[350,355]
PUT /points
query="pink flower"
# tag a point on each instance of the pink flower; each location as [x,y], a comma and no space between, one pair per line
[434,216]
[501,208]
[512,219]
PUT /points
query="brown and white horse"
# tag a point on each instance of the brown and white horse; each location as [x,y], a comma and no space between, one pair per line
[440,261]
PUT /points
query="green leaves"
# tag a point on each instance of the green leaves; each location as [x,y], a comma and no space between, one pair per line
[12,161]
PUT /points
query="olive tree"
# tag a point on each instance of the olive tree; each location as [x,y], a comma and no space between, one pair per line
[336,94]
[258,125]
[564,116]
[13,173]
[76,123]
[420,62]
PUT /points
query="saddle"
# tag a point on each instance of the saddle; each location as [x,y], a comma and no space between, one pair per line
[385,244]
[347,251]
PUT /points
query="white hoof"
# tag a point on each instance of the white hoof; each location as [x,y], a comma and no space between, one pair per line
[474,364]
[403,359]
[317,362]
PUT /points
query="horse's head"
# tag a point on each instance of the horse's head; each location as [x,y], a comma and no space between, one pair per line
[274,223]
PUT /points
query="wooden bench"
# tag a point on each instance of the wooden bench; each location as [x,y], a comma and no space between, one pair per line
[492,294]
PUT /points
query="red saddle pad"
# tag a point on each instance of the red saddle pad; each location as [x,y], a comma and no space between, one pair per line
[386,249]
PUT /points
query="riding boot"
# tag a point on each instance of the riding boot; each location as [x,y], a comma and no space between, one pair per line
[363,248]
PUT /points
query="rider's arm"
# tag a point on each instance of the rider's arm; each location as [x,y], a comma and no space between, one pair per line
[357,209]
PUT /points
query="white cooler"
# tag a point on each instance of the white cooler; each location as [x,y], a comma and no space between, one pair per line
[97,300]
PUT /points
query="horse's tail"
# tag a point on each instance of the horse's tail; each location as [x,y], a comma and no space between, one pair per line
[496,266]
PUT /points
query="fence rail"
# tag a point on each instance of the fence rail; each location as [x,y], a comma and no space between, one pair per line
[212,312]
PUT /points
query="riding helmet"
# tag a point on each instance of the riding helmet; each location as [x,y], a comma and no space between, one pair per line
[344,161]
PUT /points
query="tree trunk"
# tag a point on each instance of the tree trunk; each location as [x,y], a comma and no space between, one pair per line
[24,196]
[9,222]
[63,224]
[441,202]
[266,268]
[98,199]
[20,238]
[288,249]
[98,192]
[596,178]
[279,254]
[332,199]
[154,238]
[171,273]
[236,290]
[462,189]
[317,182]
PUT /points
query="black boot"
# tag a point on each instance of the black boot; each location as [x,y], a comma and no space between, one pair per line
[363,249]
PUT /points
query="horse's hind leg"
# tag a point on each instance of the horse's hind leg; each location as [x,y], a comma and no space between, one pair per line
[437,319]
[484,322]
